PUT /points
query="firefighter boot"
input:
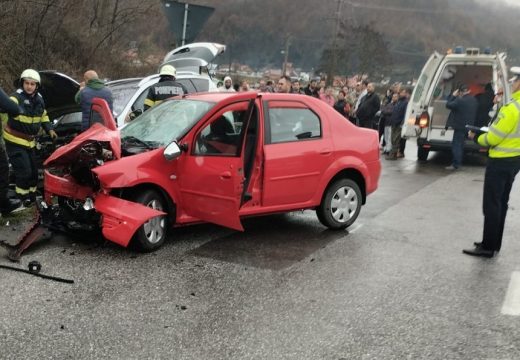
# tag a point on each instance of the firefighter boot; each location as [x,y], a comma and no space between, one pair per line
[8,205]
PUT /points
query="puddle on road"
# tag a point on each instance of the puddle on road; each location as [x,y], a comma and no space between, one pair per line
[271,242]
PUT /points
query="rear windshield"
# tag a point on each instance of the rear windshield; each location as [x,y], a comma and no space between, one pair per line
[122,94]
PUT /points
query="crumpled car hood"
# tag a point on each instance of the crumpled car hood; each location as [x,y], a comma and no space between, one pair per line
[67,153]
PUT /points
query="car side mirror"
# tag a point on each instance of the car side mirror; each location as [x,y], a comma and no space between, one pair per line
[172,151]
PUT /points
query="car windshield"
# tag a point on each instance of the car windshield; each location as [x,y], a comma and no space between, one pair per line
[165,122]
[121,94]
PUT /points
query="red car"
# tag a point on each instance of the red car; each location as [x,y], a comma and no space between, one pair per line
[214,157]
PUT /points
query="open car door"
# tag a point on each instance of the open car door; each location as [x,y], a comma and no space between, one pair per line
[212,176]
[502,76]
[418,100]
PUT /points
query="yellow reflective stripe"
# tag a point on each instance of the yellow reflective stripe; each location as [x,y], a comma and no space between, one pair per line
[45,117]
[484,141]
[15,99]
[506,150]
[19,141]
[30,119]
[4,117]
[149,102]
[497,132]
[32,189]
[21,191]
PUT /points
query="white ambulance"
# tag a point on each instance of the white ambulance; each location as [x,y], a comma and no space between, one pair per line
[426,115]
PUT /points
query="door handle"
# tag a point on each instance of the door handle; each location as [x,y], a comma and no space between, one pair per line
[325,152]
[225,175]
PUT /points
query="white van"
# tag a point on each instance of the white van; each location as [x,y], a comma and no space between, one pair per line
[426,115]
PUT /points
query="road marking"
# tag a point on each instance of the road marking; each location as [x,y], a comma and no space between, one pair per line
[356,228]
[511,304]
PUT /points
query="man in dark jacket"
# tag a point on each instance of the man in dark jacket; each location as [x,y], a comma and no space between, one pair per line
[7,205]
[368,108]
[396,122]
[485,103]
[463,108]
[311,89]
[92,87]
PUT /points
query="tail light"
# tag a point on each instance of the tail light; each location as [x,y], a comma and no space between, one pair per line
[423,120]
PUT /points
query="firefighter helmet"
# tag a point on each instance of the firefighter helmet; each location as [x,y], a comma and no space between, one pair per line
[30,74]
[168,70]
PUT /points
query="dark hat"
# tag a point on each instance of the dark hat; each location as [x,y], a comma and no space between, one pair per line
[463,88]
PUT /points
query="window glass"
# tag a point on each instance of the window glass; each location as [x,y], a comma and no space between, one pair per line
[290,124]
[222,136]
[188,84]
[201,85]
[139,102]
[121,94]
[419,88]
[168,121]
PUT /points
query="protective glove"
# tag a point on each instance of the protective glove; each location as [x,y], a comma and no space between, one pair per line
[53,134]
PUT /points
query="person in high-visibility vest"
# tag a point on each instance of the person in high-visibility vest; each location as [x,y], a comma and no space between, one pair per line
[503,140]
[20,132]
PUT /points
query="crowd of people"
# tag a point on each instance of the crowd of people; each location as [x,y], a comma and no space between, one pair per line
[359,104]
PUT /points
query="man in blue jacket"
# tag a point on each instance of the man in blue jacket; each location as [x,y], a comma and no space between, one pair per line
[463,108]
[91,88]
[396,121]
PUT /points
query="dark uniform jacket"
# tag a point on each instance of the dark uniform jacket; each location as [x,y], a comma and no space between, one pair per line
[22,129]
[163,90]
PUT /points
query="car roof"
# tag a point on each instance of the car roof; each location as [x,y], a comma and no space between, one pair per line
[219,96]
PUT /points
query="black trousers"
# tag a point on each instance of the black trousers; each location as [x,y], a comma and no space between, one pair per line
[24,166]
[498,181]
[4,173]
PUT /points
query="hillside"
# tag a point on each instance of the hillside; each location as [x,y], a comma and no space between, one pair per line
[128,38]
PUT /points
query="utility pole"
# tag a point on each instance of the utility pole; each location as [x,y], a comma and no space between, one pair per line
[286,54]
[334,63]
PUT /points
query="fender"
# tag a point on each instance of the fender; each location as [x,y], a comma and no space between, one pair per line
[122,218]
[145,168]
[340,164]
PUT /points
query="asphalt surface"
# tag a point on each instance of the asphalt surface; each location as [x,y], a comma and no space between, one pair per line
[395,286]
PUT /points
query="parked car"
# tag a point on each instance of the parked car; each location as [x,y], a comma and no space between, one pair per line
[191,61]
[426,115]
[214,157]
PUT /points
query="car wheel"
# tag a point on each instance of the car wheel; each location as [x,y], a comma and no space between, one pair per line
[341,204]
[422,154]
[151,235]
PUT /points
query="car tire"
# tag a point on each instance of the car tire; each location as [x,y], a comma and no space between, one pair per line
[340,205]
[422,154]
[151,235]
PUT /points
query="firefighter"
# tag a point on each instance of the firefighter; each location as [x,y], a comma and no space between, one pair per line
[165,88]
[503,140]
[7,205]
[20,132]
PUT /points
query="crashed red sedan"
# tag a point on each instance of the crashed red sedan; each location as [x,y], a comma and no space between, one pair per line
[214,157]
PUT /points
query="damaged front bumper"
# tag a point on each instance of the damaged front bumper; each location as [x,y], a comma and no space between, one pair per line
[69,206]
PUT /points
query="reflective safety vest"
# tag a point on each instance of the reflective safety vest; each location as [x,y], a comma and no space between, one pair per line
[22,129]
[503,137]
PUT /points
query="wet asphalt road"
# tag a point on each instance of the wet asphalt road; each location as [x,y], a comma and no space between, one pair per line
[396,286]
